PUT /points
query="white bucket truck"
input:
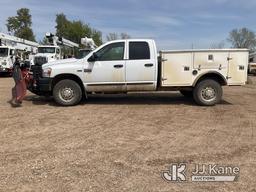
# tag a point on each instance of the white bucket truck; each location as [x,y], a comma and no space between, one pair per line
[11,47]
[52,52]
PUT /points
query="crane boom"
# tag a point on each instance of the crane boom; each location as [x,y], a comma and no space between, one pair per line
[55,40]
[89,43]
[12,39]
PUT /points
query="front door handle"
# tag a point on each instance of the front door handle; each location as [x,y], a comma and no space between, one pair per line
[86,70]
[118,66]
[149,65]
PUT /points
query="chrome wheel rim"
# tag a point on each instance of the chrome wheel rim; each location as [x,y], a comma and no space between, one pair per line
[208,94]
[66,94]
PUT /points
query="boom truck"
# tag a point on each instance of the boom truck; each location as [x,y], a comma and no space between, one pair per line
[52,52]
[11,47]
[133,65]
[89,46]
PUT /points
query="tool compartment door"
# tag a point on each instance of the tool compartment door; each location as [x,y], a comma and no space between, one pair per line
[211,60]
[177,68]
[238,67]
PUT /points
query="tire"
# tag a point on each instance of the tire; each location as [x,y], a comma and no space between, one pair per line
[67,93]
[186,93]
[208,92]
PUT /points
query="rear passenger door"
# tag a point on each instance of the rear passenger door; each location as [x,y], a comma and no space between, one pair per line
[140,66]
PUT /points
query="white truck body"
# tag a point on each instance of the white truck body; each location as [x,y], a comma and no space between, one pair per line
[49,53]
[7,58]
[10,47]
[46,53]
[133,65]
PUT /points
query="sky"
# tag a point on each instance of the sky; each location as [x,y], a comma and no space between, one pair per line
[174,24]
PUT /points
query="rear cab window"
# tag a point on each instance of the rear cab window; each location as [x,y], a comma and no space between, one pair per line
[139,51]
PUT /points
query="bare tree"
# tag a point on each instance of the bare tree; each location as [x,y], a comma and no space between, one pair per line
[242,38]
[116,36]
[125,36]
[112,36]
[219,45]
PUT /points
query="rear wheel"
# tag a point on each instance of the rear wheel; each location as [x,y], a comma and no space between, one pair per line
[67,93]
[207,92]
[186,93]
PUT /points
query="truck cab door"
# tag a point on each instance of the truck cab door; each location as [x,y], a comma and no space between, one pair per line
[107,71]
[141,66]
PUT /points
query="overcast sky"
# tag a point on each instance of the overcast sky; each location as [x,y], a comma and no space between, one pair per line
[174,24]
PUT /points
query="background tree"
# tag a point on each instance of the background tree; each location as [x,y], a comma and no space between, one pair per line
[44,41]
[112,36]
[20,25]
[242,38]
[116,36]
[75,30]
[125,36]
[219,45]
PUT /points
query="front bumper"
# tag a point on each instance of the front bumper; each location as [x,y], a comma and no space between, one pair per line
[45,84]
[41,86]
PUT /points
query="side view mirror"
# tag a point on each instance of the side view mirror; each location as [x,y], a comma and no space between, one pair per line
[93,58]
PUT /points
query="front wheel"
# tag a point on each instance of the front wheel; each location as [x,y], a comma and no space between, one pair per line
[207,93]
[67,93]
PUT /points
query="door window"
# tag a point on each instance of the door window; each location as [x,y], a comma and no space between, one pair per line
[139,51]
[112,52]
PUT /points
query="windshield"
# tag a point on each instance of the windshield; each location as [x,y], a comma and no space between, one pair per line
[46,50]
[3,52]
[83,53]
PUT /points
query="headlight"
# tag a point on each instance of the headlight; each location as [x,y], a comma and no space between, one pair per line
[4,63]
[47,72]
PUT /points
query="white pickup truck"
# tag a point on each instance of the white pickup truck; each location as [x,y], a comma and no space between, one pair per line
[134,66]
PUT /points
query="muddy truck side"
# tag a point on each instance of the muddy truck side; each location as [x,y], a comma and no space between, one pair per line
[134,65]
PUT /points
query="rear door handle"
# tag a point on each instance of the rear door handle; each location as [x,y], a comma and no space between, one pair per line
[149,65]
[118,66]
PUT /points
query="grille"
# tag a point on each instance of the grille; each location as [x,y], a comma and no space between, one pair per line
[37,71]
[40,60]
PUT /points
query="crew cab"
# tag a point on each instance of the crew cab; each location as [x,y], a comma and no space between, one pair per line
[134,65]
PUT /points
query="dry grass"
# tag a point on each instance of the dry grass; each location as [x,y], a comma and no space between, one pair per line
[122,143]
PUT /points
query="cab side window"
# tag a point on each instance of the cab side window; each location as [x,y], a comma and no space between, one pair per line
[139,51]
[111,52]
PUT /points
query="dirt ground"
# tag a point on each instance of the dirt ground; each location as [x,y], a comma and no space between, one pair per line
[124,142]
